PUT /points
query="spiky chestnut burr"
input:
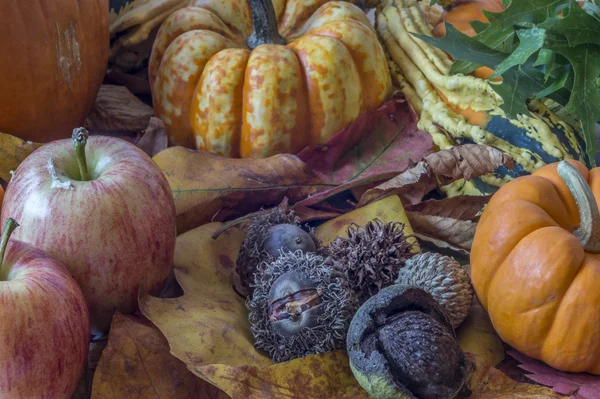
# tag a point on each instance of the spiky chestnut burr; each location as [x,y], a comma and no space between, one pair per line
[300,306]
[268,233]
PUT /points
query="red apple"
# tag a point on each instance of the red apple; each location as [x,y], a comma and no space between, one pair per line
[103,209]
[44,324]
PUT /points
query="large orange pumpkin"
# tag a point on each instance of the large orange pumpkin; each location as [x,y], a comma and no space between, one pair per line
[255,78]
[535,265]
[54,57]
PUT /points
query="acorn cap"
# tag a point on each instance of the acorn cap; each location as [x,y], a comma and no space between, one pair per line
[401,345]
[371,256]
[299,306]
[445,279]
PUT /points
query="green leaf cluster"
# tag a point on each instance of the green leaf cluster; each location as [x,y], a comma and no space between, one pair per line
[541,49]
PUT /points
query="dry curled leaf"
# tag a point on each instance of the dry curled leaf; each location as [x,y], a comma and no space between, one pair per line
[154,139]
[440,168]
[377,146]
[13,151]
[117,109]
[442,231]
[461,207]
[208,329]
[488,382]
[208,187]
[136,364]
[574,385]
[467,161]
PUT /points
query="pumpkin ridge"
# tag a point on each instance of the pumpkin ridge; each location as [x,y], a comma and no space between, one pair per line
[510,312]
[565,302]
[498,213]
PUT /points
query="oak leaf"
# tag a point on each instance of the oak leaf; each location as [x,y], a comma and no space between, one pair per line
[440,168]
[207,328]
[136,364]
[379,145]
[208,187]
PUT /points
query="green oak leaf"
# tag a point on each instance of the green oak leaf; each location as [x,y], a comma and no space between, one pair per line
[530,42]
[463,47]
[478,26]
[500,32]
[584,101]
[577,26]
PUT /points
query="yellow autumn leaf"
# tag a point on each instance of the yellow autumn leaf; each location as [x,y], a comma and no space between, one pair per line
[388,209]
[477,335]
[13,151]
[208,329]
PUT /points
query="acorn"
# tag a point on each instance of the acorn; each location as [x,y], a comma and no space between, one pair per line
[300,306]
[401,344]
[445,279]
[269,233]
[371,256]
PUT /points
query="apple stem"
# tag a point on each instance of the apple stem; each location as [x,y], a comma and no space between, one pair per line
[80,136]
[9,226]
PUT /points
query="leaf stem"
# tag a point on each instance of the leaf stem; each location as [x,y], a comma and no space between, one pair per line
[9,226]
[80,136]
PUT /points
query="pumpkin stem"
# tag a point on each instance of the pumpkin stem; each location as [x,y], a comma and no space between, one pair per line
[265,24]
[589,216]
[9,226]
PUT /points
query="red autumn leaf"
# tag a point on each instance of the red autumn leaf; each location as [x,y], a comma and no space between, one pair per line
[574,385]
[377,146]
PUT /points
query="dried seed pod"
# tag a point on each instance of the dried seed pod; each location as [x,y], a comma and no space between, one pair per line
[252,250]
[445,279]
[299,307]
[287,238]
[401,345]
[371,256]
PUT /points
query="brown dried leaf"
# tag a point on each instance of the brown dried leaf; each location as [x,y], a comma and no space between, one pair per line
[461,207]
[411,186]
[440,168]
[208,187]
[488,382]
[154,139]
[467,161]
[13,151]
[442,231]
[136,364]
[117,109]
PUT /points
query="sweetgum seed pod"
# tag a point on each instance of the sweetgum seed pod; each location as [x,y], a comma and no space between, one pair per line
[288,238]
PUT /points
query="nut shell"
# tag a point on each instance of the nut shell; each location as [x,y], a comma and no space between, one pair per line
[287,238]
[401,345]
